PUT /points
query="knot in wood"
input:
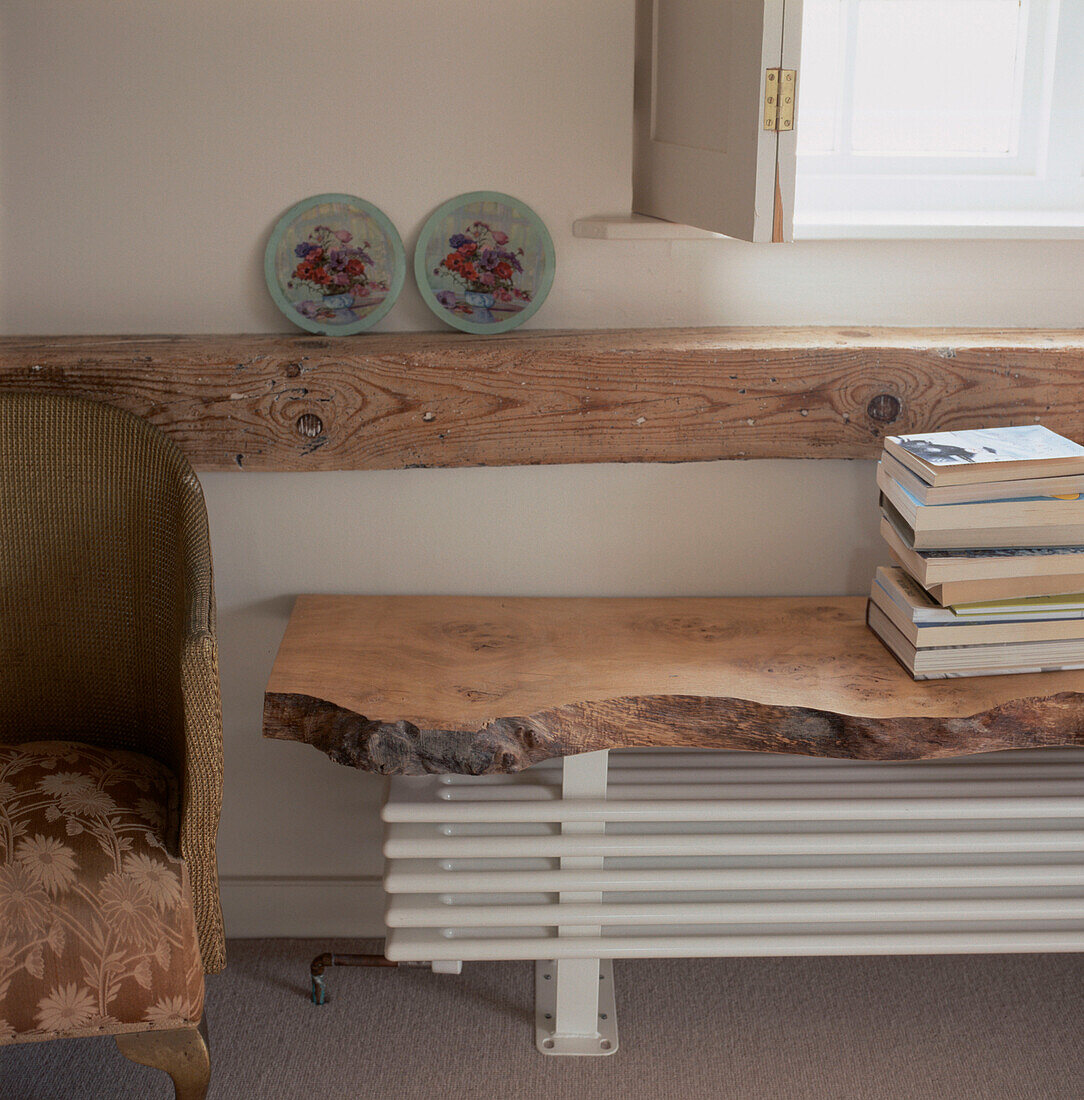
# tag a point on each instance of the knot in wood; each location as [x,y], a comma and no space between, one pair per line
[884,408]
[309,425]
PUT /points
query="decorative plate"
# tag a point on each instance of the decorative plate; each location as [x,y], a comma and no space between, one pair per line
[334,264]
[484,262]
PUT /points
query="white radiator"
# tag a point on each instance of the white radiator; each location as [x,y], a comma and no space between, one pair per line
[688,853]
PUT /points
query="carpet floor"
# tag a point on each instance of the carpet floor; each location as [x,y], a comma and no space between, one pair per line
[966,1027]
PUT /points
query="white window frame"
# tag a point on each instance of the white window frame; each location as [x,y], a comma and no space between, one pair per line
[1036,191]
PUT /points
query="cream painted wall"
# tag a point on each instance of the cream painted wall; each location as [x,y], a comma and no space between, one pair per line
[147,150]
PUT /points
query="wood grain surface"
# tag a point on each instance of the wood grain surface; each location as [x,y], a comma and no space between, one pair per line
[408,685]
[385,401]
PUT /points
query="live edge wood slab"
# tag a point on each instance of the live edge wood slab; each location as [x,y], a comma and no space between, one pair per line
[406,685]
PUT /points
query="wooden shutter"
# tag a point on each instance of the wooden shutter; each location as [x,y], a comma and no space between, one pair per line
[703,155]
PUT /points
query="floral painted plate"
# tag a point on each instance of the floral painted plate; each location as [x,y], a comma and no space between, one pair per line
[334,264]
[484,262]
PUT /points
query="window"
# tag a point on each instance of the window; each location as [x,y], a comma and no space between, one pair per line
[704,155]
[940,118]
[934,118]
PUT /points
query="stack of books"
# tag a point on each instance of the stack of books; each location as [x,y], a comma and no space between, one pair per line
[987,530]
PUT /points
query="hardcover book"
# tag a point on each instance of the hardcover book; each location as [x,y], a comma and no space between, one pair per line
[961,576]
[1063,488]
[926,625]
[944,662]
[1067,606]
[987,454]
[1019,522]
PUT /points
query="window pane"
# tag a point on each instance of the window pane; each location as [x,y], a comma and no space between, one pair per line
[819,82]
[937,77]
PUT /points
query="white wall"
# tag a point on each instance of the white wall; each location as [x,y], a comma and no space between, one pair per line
[147,150]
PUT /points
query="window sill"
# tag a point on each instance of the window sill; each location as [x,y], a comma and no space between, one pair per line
[940,225]
[822,226]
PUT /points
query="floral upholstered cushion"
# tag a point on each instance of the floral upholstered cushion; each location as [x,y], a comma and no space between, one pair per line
[97,934]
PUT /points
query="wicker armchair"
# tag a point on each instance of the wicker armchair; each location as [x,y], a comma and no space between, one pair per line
[110,730]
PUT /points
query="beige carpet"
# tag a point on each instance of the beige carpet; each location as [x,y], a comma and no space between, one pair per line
[950,1028]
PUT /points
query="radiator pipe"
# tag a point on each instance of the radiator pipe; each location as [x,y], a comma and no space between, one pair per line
[329,958]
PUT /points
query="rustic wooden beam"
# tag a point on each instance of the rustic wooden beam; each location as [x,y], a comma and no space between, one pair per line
[386,401]
[405,685]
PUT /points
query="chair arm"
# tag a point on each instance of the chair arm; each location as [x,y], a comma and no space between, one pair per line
[201,789]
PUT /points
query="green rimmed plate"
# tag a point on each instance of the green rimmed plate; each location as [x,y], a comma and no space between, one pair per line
[334,264]
[484,262]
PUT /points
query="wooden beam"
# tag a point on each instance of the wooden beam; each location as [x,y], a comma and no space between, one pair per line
[385,401]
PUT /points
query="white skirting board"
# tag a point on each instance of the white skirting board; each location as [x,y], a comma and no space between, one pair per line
[256,906]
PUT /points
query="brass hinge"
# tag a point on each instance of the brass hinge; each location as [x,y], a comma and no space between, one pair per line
[779,99]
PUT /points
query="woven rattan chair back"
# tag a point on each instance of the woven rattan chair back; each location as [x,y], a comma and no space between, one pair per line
[107,605]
